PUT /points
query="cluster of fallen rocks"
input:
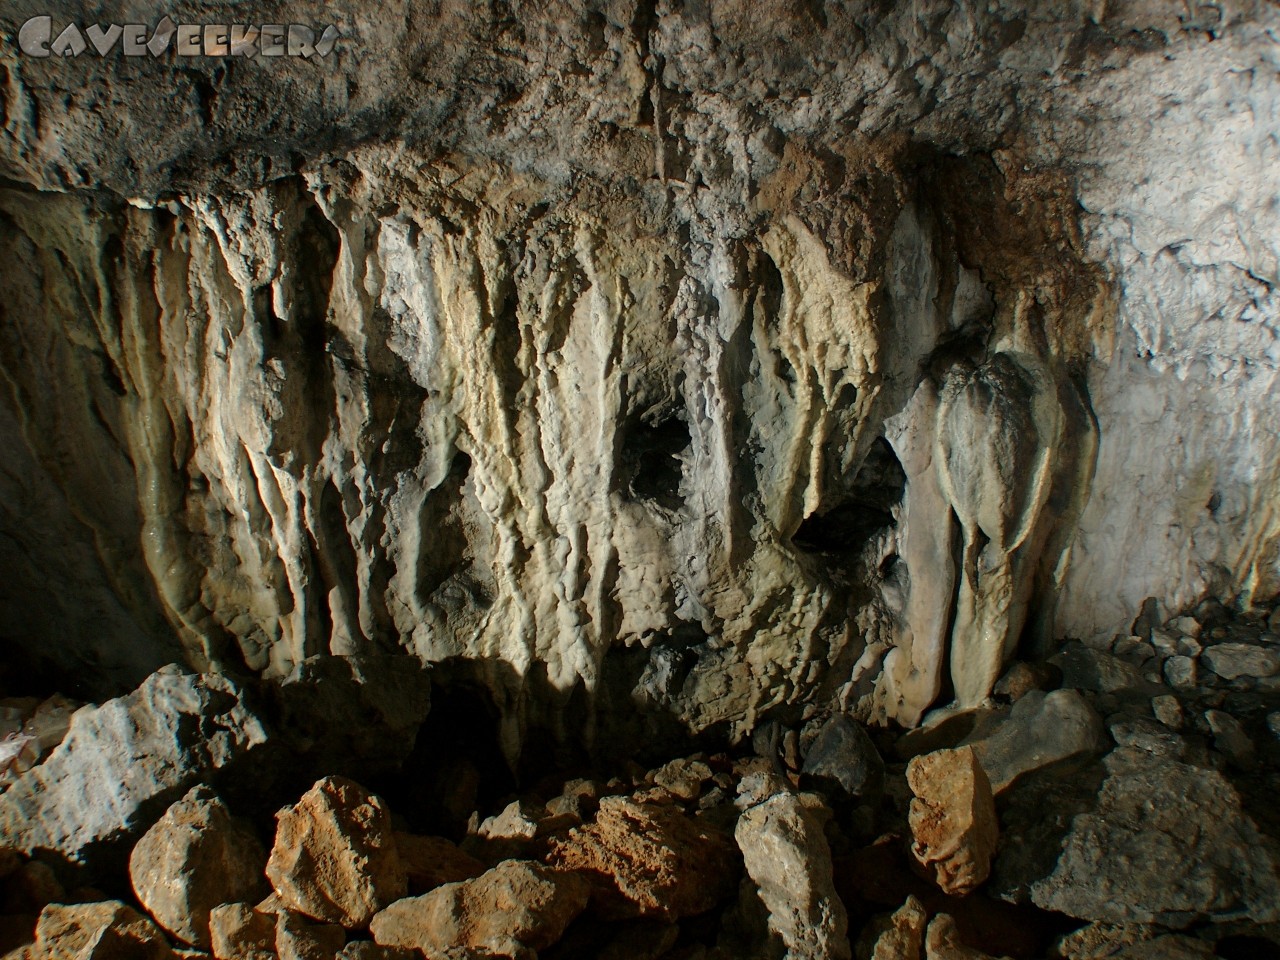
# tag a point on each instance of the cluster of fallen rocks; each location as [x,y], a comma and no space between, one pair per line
[1114,801]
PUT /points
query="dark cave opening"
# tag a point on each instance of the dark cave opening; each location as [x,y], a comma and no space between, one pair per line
[866,509]
[653,448]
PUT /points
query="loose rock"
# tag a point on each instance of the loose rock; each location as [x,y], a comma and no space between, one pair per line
[297,938]
[953,818]
[787,856]
[899,937]
[123,763]
[1230,740]
[431,861]
[1133,858]
[239,932]
[1168,710]
[649,860]
[334,857]
[1181,673]
[515,903]
[843,753]
[194,858]
[97,931]
[1231,661]
[942,942]
[1042,728]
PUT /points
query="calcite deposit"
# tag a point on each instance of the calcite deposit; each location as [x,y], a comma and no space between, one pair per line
[720,359]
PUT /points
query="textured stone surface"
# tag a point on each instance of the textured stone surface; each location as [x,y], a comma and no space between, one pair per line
[298,938]
[788,859]
[239,932]
[514,904]
[1149,850]
[953,818]
[899,937]
[121,764]
[98,931]
[942,942]
[1040,729]
[649,860]
[843,753]
[334,857]
[196,857]
[602,360]
[430,861]
[1231,661]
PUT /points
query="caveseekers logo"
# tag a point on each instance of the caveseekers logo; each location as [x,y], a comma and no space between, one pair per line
[37,38]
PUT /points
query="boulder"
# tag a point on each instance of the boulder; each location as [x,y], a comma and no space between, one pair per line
[1148,850]
[683,778]
[1181,672]
[122,764]
[1040,729]
[898,937]
[843,754]
[431,861]
[194,858]
[1231,661]
[649,860]
[1087,669]
[953,818]
[515,904]
[334,857]
[97,931]
[786,855]
[239,932]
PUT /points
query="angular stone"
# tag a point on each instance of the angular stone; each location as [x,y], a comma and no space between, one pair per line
[431,861]
[123,763]
[842,753]
[98,931]
[682,778]
[297,938]
[1134,858]
[942,942]
[1087,669]
[649,860]
[1041,729]
[1168,710]
[1165,643]
[1230,740]
[786,855]
[516,903]
[334,857]
[1145,734]
[897,937]
[239,932]
[953,818]
[194,858]
[1231,661]
[1181,673]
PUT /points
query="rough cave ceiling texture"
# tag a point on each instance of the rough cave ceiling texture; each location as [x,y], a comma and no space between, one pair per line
[718,357]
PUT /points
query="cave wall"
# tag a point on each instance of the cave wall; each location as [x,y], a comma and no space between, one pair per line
[707,359]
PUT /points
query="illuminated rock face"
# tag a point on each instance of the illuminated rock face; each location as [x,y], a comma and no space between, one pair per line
[674,371]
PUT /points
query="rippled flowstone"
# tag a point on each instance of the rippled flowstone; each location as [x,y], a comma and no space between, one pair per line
[515,904]
[122,763]
[787,856]
[649,860]
[953,818]
[1165,842]
[334,857]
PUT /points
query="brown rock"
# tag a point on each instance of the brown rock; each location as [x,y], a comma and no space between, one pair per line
[194,858]
[239,932]
[942,942]
[683,778]
[953,818]
[431,861]
[297,938]
[650,860]
[516,904]
[368,950]
[898,937]
[97,931]
[335,857]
